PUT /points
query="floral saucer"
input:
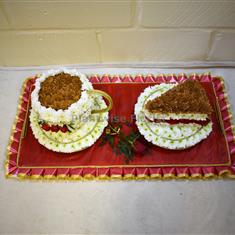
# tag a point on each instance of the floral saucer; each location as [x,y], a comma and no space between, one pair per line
[76,140]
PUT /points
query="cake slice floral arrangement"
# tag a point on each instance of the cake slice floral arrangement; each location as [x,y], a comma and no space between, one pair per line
[174,116]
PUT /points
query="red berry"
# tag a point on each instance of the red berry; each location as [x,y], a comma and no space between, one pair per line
[45,127]
[55,128]
[64,128]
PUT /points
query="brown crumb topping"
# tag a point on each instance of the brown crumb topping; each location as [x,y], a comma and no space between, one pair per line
[187,97]
[60,91]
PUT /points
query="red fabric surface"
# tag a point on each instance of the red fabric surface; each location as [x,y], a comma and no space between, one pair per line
[210,151]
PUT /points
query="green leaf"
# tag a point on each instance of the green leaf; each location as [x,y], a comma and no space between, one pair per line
[111,141]
[104,141]
[124,145]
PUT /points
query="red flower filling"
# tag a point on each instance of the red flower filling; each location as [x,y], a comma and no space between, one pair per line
[54,128]
[64,128]
[181,121]
[45,127]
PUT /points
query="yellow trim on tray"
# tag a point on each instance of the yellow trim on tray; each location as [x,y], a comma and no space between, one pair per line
[90,177]
[142,177]
[116,177]
[129,177]
[103,177]
[196,176]
[23,176]
[169,176]
[210,176]
[36,177]
[76,177]
[155,176]
[183,176]
[62,176]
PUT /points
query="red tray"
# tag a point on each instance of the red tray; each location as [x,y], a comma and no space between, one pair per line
[211,158]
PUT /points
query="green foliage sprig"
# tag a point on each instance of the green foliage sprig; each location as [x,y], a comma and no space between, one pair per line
[121,143]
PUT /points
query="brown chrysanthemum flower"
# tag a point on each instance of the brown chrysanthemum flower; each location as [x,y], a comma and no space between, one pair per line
[60,91]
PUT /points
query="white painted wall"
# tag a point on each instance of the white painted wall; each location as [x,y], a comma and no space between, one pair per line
[72,32]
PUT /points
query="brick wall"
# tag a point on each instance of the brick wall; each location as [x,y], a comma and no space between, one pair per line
[69,32]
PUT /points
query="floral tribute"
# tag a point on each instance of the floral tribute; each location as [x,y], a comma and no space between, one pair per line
[26,159]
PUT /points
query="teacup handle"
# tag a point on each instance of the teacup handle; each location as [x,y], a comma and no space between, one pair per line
[105,95]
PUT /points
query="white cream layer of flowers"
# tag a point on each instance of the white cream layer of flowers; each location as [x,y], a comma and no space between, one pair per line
[81,109]
[177,136]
